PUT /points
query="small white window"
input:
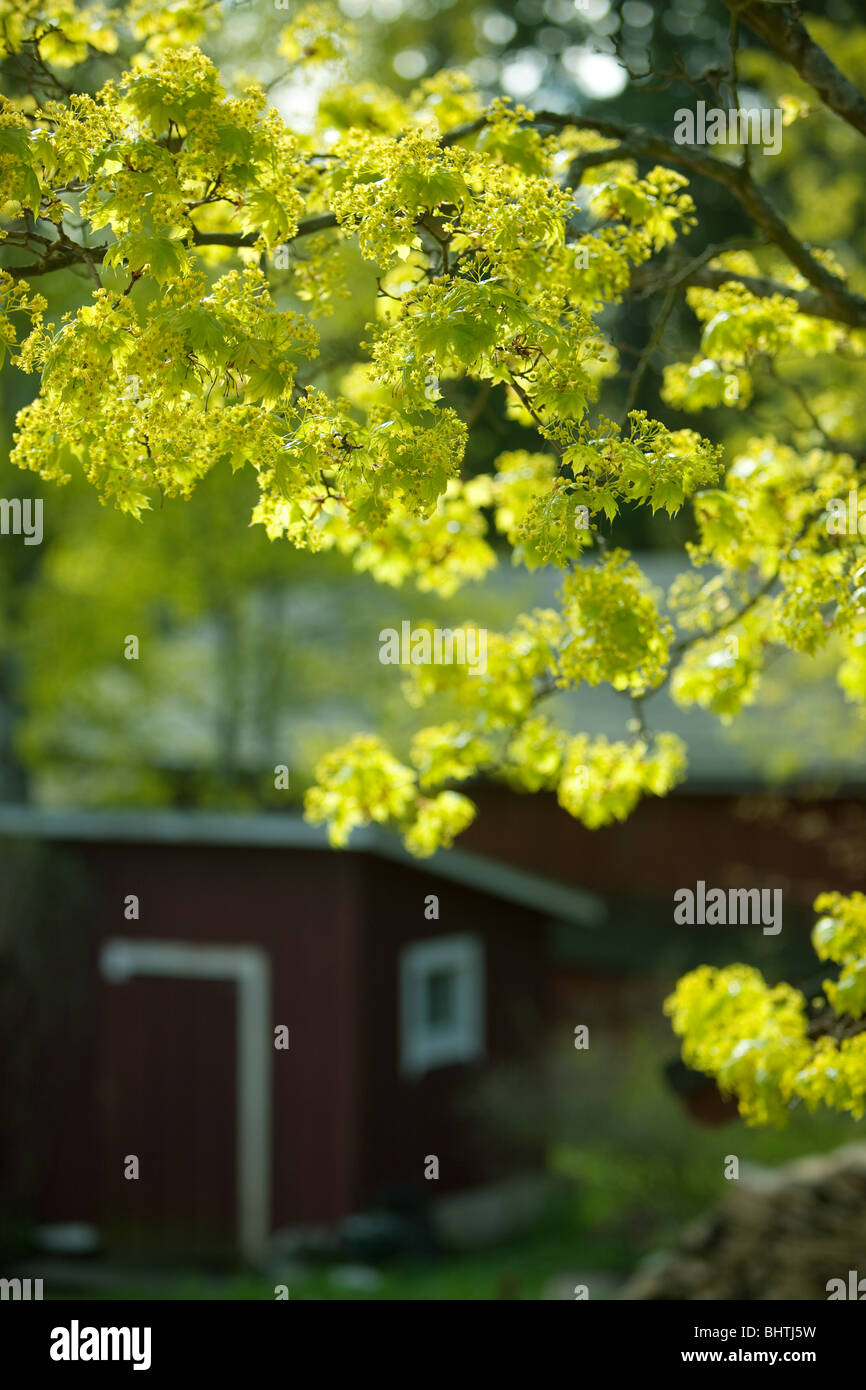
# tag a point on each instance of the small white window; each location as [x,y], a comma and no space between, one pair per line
[441,1003]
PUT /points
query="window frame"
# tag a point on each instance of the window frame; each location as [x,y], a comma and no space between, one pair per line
[424,1048]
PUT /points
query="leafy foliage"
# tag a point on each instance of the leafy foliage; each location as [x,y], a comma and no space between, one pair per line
[484,244]
[760,1042]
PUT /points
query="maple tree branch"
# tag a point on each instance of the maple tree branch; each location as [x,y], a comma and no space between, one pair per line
[636,142]
[813,302]
[738,181]
[781,27]
[69,253]
[640,370]
[321,222]
[526,402]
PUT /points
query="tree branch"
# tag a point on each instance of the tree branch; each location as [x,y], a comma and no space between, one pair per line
[321,222]
[780,26]
[640,370]
[70,253]
[634,142]
[812,302]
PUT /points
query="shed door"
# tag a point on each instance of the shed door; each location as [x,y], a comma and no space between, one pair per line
[168,1096]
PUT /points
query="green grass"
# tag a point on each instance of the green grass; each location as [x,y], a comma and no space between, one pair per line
[519,1269]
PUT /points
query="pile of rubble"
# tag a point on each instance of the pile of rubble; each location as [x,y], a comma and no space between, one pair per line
[780,1234]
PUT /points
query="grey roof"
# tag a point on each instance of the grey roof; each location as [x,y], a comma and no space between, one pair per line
[546,896]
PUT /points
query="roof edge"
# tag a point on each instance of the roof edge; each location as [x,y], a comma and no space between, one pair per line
[547,896]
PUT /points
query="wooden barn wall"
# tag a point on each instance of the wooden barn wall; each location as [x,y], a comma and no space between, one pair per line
[404,1120]
[48,1038]
[151,1068]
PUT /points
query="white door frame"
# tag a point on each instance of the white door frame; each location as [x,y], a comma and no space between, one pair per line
[249,968]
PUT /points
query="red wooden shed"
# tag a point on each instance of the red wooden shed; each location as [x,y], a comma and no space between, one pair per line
[278,1034]
[157,953]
